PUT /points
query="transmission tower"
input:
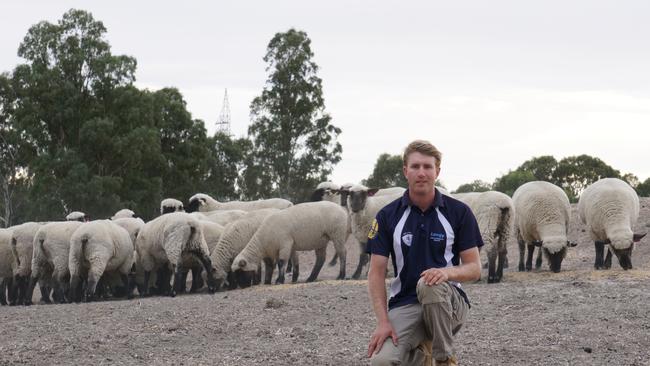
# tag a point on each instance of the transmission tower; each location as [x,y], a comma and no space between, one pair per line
[223,122]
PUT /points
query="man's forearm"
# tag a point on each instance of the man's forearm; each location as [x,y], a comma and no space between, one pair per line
[464,272]
[377,293]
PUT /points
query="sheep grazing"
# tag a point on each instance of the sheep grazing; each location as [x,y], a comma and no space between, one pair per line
[171,205]
[162,243]
[202,202]
[22,247]
[77,216]
[542,220]
[307,226]
[97,247]
[233,240]
[610,208]
[494,213]
[50,258]
[7,267]
[327,191]
[123,214]
[212,233]
[363,205]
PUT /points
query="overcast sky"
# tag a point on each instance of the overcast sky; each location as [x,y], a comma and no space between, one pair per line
[490,83]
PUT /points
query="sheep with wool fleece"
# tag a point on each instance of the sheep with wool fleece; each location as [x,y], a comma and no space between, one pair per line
[162,243]
[203,202]
[233,240]
[306,226]
[542,220]
[50,257]
[609,208]
[97,247]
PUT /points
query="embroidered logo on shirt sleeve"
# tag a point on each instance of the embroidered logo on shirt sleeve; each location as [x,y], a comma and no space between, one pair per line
[374,229]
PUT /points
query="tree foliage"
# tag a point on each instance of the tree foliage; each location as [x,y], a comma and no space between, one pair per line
[509,182]
[475,186]
[294,144]
[643,189]
[388,172]
[78,135]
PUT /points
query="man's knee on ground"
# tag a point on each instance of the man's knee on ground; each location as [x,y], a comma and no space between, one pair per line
[384,359]
[432,294]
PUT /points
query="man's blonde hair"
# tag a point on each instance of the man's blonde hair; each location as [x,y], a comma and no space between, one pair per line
[423,147]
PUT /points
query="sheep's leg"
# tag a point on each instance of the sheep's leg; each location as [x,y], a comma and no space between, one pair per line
[295,271]
[343,260]
[127,282]
[60,288]
[268,270]
[522,254]
[492,267]
[363,259]
[21,288]
[608,260]
[257,278]
[232,280]
[529,258]
[75,284]
[538,262]
[91,286]
[197,279]
[183,282]
[3,291]
[145,291]
[205,260]
[600,251]
[177,273]
[280,279]
[12,292]
[46,291]
[502,261]
[320,260]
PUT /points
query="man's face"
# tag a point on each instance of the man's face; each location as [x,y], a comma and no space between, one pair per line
[421,173]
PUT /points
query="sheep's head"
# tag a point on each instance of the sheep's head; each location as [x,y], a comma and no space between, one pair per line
[196,202]
[358,195]
[621,246]
[171,205]
[555,249]
[344,192]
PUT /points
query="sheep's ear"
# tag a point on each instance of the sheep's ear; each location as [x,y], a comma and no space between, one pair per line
[571,244]
[335,191]
[135,235]
[242,263]
[202,201]
[638,237]
[372,191]
[537,243]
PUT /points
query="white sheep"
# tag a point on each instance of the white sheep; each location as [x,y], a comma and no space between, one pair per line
[22,247]
[327,191]
[76,216]
[171,205]
[97,247]
[202,202]
[123,213]
[7,267]
[221,217]
[307,226]
[363,206]
[212,233]
[233,240]
[494,213]
[161,244]
[50,257]
[542,219]
[610,208]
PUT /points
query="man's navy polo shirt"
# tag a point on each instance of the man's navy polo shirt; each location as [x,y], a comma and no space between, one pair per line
[417,241]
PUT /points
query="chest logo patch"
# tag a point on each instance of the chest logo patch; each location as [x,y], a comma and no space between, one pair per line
[407,238]
[374,228]
[437,236]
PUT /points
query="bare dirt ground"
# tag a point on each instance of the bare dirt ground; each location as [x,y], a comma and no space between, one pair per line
[579,316]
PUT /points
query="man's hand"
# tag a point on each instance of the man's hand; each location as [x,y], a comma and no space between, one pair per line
[435,276]
[383,331]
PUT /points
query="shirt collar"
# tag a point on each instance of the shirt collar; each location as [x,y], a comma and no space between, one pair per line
[438,200]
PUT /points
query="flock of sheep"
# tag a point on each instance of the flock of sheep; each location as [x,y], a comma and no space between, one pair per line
[225,244]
